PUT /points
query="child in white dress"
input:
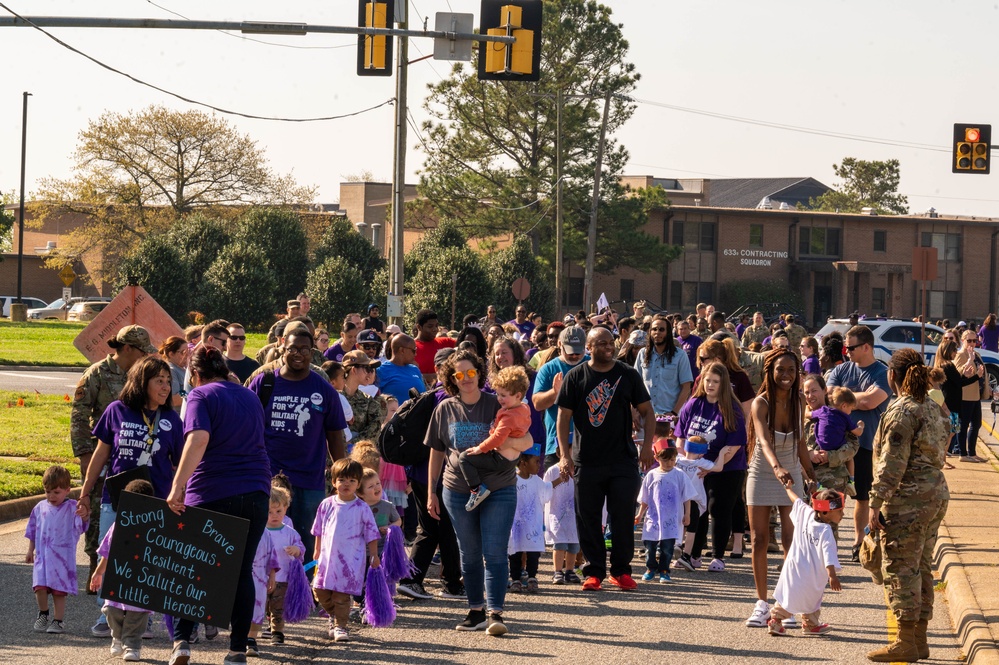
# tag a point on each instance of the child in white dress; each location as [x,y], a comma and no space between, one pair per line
[527,537]
[560,520]
[810,561]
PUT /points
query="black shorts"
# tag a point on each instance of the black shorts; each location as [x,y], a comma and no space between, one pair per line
[863,473]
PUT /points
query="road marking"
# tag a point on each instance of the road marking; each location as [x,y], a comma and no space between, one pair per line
[33,376]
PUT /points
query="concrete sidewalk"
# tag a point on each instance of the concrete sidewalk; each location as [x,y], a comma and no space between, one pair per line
[967,556]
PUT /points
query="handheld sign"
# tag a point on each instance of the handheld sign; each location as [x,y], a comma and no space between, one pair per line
[185,565]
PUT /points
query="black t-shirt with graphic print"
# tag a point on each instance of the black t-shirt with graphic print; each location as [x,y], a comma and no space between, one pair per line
[601,411]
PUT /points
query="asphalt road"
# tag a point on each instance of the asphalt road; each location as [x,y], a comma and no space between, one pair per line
[50,382]
[697,618]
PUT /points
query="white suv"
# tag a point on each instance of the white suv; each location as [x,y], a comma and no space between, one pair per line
[893,334]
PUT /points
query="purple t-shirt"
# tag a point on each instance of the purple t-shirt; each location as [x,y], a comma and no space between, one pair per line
[295,424]
[56,530]
[989,338]
[335,352]
[525,328]
[810,365]
[699,417]
[831,428]
[690,345]
[346,528]
[126,432]
[235,461]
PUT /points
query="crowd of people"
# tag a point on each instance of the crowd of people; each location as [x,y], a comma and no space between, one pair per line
[566,436]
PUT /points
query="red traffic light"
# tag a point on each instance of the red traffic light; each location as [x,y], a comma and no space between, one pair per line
[972,134]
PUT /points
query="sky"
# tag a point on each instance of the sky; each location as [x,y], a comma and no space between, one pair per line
[898,73]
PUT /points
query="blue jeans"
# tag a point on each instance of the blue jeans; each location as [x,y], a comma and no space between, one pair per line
[483,534]
[658,555]
[302,513]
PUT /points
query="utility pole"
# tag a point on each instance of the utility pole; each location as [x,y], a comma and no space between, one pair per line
[591,237]
[20,210]
[559,261]
[399,164]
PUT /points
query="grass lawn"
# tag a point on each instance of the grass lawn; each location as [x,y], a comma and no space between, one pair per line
[50,343]
[37,431]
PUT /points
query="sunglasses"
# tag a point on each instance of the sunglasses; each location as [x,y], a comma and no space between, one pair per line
[238,338]
[460,376]
[851,348]
[368,369]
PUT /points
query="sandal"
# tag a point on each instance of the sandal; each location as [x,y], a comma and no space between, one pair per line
[716,566]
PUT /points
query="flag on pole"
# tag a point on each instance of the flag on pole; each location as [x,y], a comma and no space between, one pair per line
[602,303]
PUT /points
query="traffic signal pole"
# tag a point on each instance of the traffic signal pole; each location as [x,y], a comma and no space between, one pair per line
[399,163]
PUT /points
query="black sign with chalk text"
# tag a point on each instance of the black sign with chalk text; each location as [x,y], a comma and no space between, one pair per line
[182,565]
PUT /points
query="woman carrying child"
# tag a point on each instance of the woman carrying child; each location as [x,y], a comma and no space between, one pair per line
[829,466]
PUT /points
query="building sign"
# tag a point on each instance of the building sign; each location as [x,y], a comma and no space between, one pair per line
[755,257]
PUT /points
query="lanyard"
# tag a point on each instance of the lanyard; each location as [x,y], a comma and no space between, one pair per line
[152,428]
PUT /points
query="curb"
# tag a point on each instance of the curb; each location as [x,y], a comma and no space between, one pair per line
[18,509]
[42,368]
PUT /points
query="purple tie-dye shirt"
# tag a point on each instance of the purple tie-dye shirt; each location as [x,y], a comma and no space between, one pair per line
[55,531]
[264,562]
[346,530]
[102,551]
[282,537]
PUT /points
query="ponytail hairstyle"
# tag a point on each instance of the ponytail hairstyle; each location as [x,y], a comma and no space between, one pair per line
[911,375]
[650,345]
[209,364]
[768,391]
[726,398]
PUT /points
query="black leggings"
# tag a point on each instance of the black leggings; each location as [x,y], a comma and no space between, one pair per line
[724,489]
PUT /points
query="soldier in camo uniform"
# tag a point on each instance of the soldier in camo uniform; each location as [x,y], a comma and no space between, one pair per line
[756,332]
[795,334]
[100,385]
[908,501]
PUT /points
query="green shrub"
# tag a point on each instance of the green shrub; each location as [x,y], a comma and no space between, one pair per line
[241,286]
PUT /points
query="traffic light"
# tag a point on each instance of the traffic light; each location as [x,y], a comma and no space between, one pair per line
[374,52]
[520,61]
[972,146]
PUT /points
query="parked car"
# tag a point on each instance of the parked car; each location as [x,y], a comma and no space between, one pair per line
[30,302]
[58,309]
[86,310]
[893,334]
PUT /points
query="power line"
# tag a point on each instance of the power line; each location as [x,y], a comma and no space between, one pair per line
[177,95]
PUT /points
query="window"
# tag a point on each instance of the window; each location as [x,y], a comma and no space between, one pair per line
[684,296]
[818,241]
[948,245]
[627,289]
[878,299]
[694,236]
[574,294]
[942,304]
[756,235]
[880,241]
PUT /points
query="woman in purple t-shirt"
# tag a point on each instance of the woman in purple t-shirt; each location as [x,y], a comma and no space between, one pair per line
[223,453]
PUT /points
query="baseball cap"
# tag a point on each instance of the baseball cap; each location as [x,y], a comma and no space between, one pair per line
[573,339]
[368,337]
[358,358]
[136,336]
[372,306]
[442,355]
[393,329]
[568,319]
[638,338]
[962,324]
[295,327]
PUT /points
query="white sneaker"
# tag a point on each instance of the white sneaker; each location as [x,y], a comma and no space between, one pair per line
[760,615]
[132,655]
[117,648]
[340,634]
[791,622]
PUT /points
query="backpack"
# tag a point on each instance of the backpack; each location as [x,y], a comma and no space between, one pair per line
[401,440]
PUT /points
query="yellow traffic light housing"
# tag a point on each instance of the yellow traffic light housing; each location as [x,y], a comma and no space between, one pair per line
[972,147]
[374,52]
[520,61]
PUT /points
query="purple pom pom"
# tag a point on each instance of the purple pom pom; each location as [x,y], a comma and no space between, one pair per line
[378,607]
[298,600]
[168,622]
[394,558]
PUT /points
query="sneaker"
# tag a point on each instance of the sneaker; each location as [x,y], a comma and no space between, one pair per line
[132,655]
[760,615]
[515,587]
[558,577]
[101,628]
[436,560]
[332,628]
[277,637]
[855,554]
[234,659]
[683,562]
[624,582]
[265,630]
[340,634]
[572,577]
[775,628]
[355,614]
[664,578]
[821,629]
[251,647]
[211,632]
[452,594]
[496,625]
[117,648]
[41,623]
[56,627]
[524,577]
[695,562]
[851,489]
[414,590]
[591,584]
[148,633]
[181,654]
[716,566]
[194,636]
[477,497]
[677,551]
[474,620]
[532,585]
[649,576]
[791,623]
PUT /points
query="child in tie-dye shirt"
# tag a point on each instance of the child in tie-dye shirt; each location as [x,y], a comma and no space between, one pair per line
[287,546]
[53,531]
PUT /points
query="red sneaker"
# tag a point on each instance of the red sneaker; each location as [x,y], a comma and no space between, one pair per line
[624,582]
[821,629]
[591,584]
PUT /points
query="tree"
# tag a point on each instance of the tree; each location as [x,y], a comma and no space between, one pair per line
[6,225]
[200,238]
[279,236]
[516,261]
[162,269]
[241,286]
[865,185]
[136,173]
[341,239]
[337,287]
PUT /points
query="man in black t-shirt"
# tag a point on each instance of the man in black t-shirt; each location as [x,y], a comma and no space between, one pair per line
[372,322]
[597,396]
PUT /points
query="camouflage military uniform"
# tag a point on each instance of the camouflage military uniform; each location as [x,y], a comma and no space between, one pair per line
[911,492]
[795,334]
[754,334]
[101,384]
[368,416]
[273,365]
[261,356]
[832,474]
[752,362]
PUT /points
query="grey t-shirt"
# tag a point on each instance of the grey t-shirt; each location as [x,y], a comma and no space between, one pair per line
[455,428]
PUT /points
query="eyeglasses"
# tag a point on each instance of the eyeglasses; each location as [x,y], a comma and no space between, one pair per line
[460,376]
[238,338]
[323,339]
[299,350]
